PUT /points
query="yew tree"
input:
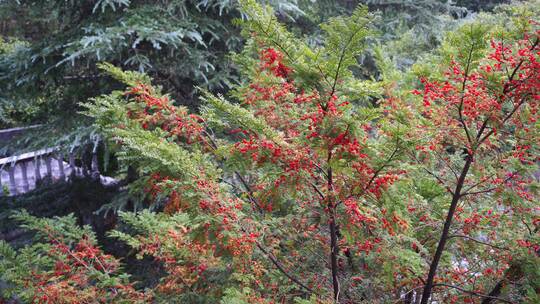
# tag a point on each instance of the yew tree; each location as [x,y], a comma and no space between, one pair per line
[477,130]
[284,184]
[307,184]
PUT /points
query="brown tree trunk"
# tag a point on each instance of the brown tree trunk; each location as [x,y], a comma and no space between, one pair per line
[446,230]
[334,248]
[333,256]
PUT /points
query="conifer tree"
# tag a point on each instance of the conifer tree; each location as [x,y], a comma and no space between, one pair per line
[298,187]
[50,64]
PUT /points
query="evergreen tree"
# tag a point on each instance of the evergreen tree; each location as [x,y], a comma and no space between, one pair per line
[309,184]
[49,52]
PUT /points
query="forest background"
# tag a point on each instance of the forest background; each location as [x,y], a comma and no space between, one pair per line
[61,67]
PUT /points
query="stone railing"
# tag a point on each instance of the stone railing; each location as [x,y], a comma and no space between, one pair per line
[22,173]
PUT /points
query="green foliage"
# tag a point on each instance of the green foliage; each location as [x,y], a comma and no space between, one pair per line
[344,41]
[308,150]
[64,242]
[130,78]
[316,66]
[58,226]
[261,19]
[221,113]
[180,44]
[148,224]
[49,61]
[182,166]
[17,265]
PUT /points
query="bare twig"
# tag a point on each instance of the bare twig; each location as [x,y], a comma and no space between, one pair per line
[474,293]
[477,241]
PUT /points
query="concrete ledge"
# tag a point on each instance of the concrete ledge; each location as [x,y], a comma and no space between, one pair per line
[25,156]
[7,134]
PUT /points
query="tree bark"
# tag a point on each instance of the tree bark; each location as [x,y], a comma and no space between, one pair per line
[512,274]
[445,233]
[334,249]
[495,292]
[333,256]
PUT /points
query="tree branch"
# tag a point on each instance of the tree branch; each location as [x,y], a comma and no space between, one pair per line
[249,192]
[280,267]
[474,293]
[460,107]
[477,241]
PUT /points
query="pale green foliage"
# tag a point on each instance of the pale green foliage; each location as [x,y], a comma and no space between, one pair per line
[148,223]
[107,111]
[235,296]
[316,66]
[344,41]
[65,227]
[15,265]
[221,112]
[112,4]
[130,78]
[261,19]
[512,20]
[472,39]
[146,148]
[20,269]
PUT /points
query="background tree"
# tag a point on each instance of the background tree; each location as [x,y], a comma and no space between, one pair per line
[474,154]
[310,184]
[50,64]
[48,61]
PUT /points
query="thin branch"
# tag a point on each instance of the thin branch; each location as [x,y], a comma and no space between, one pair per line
[527,226]
[340,62]
[475,185]
[321,169]
[443,182]
[408,292]
[474,293]
[317,190]
[280,267]
[249,192]
[447,165]
[476,241]
[384,165]
[484,125]
[460,107]
[533,46]
[479,191]
[488,134]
